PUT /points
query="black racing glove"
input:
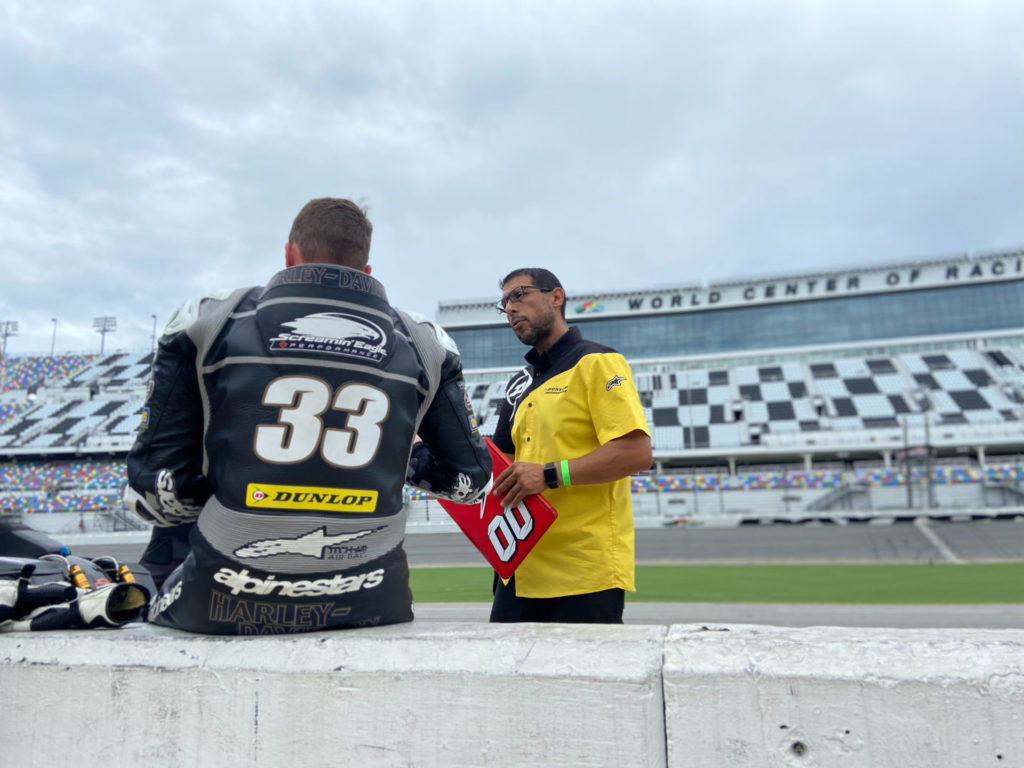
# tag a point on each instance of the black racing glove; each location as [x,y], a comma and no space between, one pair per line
[34,597]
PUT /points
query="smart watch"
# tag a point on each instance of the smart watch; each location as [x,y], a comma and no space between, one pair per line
[551,475]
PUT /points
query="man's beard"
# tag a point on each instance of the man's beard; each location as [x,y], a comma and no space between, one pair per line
[536,330]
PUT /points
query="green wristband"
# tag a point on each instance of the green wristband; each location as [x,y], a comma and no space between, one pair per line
[565,473]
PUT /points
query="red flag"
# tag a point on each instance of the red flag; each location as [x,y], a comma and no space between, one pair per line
[503,536]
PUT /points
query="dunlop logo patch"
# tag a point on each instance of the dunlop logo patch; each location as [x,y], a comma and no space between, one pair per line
[261,495]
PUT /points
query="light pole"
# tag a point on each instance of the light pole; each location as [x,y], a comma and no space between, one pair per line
[53,339]
[693,439]
[929,494]
[919,454]
[7,328]
[924,405]
[103,326]
[906,463]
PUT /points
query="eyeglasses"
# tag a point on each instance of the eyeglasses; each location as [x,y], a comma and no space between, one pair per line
[517,294]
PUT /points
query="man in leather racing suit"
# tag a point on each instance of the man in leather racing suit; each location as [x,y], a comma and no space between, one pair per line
[280,422]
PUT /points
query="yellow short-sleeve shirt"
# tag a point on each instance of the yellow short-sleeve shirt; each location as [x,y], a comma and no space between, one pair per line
[582,398]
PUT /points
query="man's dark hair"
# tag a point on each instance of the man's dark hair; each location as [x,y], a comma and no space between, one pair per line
[540,277]
[331,230]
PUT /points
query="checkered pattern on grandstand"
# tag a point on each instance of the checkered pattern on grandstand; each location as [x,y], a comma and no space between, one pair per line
[720,408]
[78,402]
[723,407]
[117,370]
[714,408]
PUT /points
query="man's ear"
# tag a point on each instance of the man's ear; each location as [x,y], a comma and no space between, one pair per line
[292,255]
[557,297]
[366,269]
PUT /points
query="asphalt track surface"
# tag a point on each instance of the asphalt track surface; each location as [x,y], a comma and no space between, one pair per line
[867,543]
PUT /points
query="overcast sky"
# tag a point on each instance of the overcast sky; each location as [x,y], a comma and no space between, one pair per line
[153,152]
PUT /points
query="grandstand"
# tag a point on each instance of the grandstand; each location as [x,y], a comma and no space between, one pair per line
[893,389]
[66,424]
[909,371]
[73,405]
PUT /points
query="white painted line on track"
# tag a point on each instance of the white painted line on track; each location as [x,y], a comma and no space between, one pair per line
[938,543]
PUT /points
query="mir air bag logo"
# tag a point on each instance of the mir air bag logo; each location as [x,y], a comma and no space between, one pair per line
[263,496]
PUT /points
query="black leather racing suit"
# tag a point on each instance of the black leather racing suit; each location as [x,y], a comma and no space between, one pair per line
[281,420]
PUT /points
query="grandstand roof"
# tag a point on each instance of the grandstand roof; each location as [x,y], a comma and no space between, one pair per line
[856,280]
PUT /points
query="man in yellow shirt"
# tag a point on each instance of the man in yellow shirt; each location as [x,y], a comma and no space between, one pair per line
[573,426]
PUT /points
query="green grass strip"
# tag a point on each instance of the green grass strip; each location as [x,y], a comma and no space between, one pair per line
[451,585]
[882,584]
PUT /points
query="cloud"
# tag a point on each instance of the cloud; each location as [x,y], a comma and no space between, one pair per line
[153,153]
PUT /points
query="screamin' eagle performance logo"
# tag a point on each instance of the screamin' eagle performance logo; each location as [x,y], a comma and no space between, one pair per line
[334,333]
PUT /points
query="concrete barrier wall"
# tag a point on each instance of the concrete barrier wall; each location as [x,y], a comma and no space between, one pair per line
[766,696]
[435,694]
[427,694]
